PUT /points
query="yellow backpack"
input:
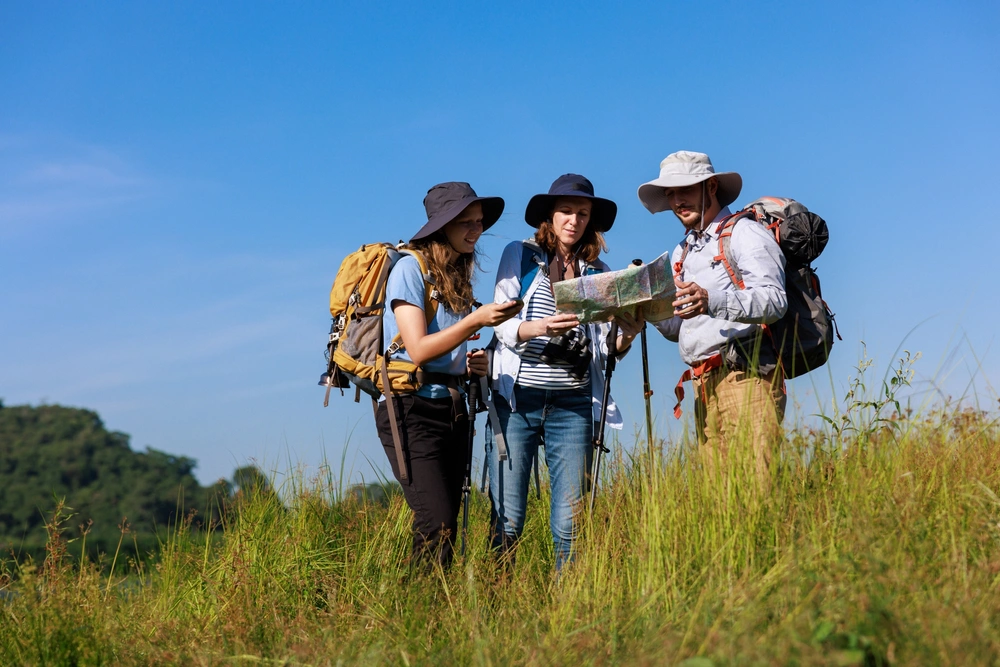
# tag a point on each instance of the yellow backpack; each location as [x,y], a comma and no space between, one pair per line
[356,353]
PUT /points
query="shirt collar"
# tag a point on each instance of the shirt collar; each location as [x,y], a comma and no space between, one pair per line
[711,230]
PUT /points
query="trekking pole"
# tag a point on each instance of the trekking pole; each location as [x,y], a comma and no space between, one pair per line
[467,483]
[599,448]
[646,391]
[538,483]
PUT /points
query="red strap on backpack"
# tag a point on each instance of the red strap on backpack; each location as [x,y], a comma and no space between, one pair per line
[726,232]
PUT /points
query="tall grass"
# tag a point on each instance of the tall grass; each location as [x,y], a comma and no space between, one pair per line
[877,542]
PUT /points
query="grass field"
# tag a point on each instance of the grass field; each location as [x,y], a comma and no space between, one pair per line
[877,543]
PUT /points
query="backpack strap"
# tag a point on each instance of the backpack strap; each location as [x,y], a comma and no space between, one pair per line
[679,265]
[431,298]
[390,404]
[725,248]
[431,294]
[494,418]
[532,261]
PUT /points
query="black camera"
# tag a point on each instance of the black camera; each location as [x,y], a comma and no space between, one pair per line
[569,349]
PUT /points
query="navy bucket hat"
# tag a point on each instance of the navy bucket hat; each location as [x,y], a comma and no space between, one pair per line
[445,201]
[602,214]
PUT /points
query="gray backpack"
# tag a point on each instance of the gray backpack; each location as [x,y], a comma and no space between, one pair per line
[803,337]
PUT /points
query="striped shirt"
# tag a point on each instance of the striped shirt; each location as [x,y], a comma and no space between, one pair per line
[534,372]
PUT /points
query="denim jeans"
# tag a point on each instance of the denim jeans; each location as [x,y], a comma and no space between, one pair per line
[564,421]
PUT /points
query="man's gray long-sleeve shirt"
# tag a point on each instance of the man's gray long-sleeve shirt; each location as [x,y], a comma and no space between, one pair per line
[732,312]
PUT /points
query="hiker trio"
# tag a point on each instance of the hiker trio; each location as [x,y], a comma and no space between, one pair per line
[402,336]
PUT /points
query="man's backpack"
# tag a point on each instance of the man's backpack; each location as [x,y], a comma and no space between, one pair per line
[356,352]
[803,337]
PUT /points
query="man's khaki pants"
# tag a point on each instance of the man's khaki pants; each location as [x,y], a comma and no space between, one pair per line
[738,415]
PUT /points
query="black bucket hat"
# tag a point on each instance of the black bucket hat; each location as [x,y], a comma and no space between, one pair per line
[602,215]
[445,201]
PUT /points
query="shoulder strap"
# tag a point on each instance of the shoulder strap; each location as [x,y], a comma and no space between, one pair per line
[531,263]
[589,269]
[431,297]
[725,248]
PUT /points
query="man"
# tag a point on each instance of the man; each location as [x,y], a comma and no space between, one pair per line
[739,389]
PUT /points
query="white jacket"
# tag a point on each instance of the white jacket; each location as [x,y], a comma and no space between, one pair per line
[507,358]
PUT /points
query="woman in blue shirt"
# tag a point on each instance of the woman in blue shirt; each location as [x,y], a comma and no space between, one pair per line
[432,421]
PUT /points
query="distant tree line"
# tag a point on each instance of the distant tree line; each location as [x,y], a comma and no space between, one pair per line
[50,453]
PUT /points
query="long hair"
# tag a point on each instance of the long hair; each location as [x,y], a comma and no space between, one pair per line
[452,280]
[587,248]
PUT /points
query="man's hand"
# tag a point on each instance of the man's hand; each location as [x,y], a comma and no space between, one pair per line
[477,362]
[553,325]
[692,300]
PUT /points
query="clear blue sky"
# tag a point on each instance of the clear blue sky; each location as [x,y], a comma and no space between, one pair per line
[179,182]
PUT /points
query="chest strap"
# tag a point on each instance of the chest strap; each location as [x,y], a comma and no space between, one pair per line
[694,372]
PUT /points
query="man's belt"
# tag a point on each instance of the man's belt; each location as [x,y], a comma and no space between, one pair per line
[705,366]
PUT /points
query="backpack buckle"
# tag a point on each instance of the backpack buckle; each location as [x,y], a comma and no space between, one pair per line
[393,349]
[338,327]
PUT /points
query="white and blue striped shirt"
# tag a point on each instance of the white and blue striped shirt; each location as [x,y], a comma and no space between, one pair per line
[535,372]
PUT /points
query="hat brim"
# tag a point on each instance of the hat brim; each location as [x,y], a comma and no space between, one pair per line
[602,215]
[652,197]
[492,210]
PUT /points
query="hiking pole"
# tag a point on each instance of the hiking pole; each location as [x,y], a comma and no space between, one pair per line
[646,391]
[538,484]
[599,448]
[467,483]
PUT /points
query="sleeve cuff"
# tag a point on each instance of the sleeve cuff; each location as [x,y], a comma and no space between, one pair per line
[717,304]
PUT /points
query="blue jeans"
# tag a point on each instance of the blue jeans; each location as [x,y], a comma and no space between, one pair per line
[564,421]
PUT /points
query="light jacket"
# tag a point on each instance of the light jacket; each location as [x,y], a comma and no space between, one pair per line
[507,358]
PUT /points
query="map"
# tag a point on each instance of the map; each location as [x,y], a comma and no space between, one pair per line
[599,297]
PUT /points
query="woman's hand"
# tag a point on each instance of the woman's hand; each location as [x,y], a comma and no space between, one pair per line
[477,362]
[629,327]
[492,314]
[551,326]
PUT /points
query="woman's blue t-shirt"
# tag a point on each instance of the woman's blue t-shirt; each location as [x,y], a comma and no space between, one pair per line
[406,283]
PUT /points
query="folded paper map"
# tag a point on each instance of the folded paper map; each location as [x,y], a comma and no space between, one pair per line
[599,297]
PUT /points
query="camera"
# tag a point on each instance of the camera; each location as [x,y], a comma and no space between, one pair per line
[569,349]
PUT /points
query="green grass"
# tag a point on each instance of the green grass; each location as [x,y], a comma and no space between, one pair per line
[877,543]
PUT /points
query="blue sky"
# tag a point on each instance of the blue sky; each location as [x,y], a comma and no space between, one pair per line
[179,182]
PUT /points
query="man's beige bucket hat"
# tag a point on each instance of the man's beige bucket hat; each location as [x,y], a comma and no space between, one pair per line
[685,168]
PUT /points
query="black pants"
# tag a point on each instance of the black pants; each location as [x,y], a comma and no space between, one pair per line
[435,446]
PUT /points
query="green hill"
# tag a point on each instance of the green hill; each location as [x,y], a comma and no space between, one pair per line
[49,453]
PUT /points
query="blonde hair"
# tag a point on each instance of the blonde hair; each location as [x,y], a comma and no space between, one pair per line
[453,280]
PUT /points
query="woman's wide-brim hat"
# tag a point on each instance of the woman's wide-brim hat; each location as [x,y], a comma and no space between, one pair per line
[684,168]
[602,213]
[446,201]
